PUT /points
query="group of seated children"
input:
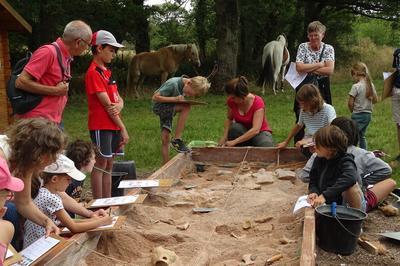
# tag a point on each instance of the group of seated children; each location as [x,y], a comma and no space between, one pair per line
[41,185]
[341,172]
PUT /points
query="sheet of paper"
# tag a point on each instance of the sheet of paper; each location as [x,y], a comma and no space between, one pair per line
[293,77]
[386,75]
[37,249]
[9,253]
[138,183]
[114,221]
[115,201]
[301,203]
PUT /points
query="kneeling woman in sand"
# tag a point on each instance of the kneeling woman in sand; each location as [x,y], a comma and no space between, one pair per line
[245,124]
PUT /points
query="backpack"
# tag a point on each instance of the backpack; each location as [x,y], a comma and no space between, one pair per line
[23,101]
[396,65]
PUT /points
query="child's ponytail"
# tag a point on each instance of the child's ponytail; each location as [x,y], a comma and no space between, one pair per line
[361,70]
[36,183]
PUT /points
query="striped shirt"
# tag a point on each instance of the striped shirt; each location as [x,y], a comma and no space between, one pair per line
[313,122]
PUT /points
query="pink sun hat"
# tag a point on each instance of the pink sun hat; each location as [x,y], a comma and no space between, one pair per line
[7,181]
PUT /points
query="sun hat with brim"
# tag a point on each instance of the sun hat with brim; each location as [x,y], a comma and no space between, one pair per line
[105,37]
[7,181]
[64,165]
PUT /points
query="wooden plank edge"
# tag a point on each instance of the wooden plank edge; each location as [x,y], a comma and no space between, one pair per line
[308,244]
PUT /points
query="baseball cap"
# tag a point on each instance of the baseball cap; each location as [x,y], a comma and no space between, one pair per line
[7,181]
[64,165]
[105,37]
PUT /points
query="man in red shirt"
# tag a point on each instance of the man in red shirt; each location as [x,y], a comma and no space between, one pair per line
[43,74]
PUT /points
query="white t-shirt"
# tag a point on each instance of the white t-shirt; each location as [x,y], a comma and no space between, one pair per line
[48,203]
[313,122]
[361,103]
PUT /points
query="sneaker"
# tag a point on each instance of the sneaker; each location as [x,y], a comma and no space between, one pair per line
[179,145]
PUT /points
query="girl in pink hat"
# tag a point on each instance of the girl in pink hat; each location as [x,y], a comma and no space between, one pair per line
[8,185]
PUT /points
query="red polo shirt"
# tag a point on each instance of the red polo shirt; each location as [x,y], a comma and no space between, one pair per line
[98,79]
[44,67]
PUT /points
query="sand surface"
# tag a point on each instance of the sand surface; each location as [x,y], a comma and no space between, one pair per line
[246,220]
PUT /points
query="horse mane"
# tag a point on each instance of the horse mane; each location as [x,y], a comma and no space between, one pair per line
[180,48]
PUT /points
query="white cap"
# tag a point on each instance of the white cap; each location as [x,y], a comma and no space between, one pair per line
[105,37]
[64,165]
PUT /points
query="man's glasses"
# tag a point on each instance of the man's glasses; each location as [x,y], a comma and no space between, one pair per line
[87,43]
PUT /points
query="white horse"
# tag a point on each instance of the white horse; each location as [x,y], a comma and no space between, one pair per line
[274,61]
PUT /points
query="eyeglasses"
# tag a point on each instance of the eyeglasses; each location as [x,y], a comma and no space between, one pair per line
[87,43]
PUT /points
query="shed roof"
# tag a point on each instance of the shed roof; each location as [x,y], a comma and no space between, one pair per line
[10,20]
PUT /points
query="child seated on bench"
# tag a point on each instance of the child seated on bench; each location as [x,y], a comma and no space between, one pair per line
[8,185]
[56,178]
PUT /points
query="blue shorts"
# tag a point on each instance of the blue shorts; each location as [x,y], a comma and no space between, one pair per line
[108,142]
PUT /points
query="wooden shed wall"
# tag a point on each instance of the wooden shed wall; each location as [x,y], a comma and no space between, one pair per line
[5,71]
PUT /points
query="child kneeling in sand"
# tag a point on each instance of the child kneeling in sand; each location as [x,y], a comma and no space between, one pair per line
[333,176]
[56,178]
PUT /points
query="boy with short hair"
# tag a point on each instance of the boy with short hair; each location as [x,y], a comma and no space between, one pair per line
[107,130]
[166,104]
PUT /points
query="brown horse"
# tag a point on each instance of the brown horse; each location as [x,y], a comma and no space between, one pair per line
[162,62]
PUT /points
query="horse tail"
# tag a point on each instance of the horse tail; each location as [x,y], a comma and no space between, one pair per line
[267,74]
[132,71]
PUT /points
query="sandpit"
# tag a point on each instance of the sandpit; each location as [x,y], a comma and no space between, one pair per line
[246,218]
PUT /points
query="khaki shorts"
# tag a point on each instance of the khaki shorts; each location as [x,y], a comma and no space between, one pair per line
[396,106]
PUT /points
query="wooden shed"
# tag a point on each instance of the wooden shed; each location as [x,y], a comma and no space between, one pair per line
[10,20]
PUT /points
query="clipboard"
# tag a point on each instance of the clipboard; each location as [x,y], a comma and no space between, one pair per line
[16,257]
[191,102]
[117,225]
[116,202]
[388,86]
[37,261]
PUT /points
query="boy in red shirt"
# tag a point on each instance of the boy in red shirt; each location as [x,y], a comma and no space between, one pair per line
[106,128]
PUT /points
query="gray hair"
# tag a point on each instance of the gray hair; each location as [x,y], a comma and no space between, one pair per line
[77,29]
[316,26]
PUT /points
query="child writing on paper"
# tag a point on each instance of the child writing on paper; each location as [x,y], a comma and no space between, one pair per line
[8,185]
[165,106]
[314,114]
[333,175]
[361,97]
[83,154]
[56,178]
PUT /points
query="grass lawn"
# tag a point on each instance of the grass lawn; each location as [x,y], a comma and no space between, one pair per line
[206,123]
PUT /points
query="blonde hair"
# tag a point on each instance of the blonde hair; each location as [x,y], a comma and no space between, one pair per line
[360,69]
[200,85]
[310,93]
[316,26]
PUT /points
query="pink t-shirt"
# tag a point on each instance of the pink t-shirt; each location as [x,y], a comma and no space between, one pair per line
[44,67]
[247,119]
